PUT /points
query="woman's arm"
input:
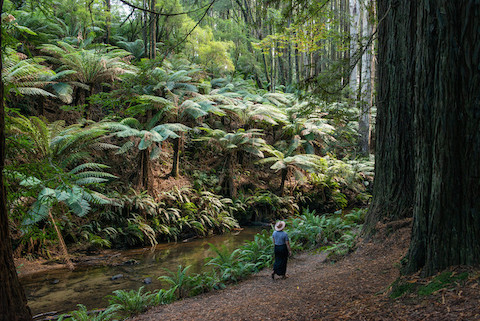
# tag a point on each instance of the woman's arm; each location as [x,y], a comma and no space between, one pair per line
[289,249]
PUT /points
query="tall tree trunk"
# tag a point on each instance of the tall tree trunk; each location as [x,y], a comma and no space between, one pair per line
[269,81]
[373,75]
[145,28]
[144,180]
[176,157]
[365,89]
[87,93]
[297,65]
[284,178]
[62,243]
[354,41]
[446,229]
[394,183]
[230,189]
[13,303]
[108,21]
[153,31]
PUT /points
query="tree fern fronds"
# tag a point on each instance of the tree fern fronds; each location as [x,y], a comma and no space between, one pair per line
[86,174]
[104,146]
[90,180]
[125,147]
[94,166]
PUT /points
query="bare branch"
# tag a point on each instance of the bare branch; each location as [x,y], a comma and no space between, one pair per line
[163,14]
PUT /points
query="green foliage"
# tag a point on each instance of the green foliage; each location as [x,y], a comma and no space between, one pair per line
[232,267]
[82,314]
[400,287]
[213,55]
[337,180]
[102,64]
[441,281]
[25,76]
[203,211]
[259,251]
[204,181]
[265,205]
[180,283]
[356,216]
[306,229]
[131,303]
[205,282]
[446,279]
[57,169]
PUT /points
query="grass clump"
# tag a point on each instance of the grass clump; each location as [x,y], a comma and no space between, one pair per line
[401,287]
[441,281]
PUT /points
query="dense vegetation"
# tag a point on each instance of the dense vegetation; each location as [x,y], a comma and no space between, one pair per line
[135,122]
[117,140]
[332,232]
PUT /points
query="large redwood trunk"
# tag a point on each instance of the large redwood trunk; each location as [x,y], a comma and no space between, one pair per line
[13,303]
[428,142]
[446,227]
[394,177]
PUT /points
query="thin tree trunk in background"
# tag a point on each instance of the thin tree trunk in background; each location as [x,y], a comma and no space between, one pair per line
[297,65]
[354,6]
[284,178]
[145,28]
[153,31]
[269,81]
[108,8]
[176,157]
[13,303]
[62,243]
[229,184]
[393,190]
[365,89]
[373,76]
[144,180]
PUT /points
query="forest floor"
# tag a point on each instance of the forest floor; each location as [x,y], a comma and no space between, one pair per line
[357,287]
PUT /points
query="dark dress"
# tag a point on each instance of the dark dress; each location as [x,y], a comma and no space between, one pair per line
[281,258]
[281,253]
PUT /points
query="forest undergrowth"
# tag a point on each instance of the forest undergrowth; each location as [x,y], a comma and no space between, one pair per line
[364,285]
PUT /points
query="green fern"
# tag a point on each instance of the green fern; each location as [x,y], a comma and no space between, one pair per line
[82,314]
[179,281]
[131,303]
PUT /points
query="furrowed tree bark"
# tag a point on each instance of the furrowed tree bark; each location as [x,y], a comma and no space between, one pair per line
[13,302]
[394,174]
[446,229]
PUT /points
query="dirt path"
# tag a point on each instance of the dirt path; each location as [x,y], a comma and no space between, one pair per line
[352,289]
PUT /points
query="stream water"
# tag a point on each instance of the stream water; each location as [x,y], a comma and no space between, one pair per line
[62,290]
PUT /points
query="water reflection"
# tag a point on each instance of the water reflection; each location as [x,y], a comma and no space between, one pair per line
[62,290]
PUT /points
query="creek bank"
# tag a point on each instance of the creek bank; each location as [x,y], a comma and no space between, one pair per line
[356,287]
[97,276]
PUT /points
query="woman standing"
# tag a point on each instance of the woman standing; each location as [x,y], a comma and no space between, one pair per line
[282,251]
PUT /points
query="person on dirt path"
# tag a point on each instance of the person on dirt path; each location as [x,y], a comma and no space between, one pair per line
[282,250]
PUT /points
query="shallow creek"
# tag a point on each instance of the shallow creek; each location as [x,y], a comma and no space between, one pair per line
[61,290]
